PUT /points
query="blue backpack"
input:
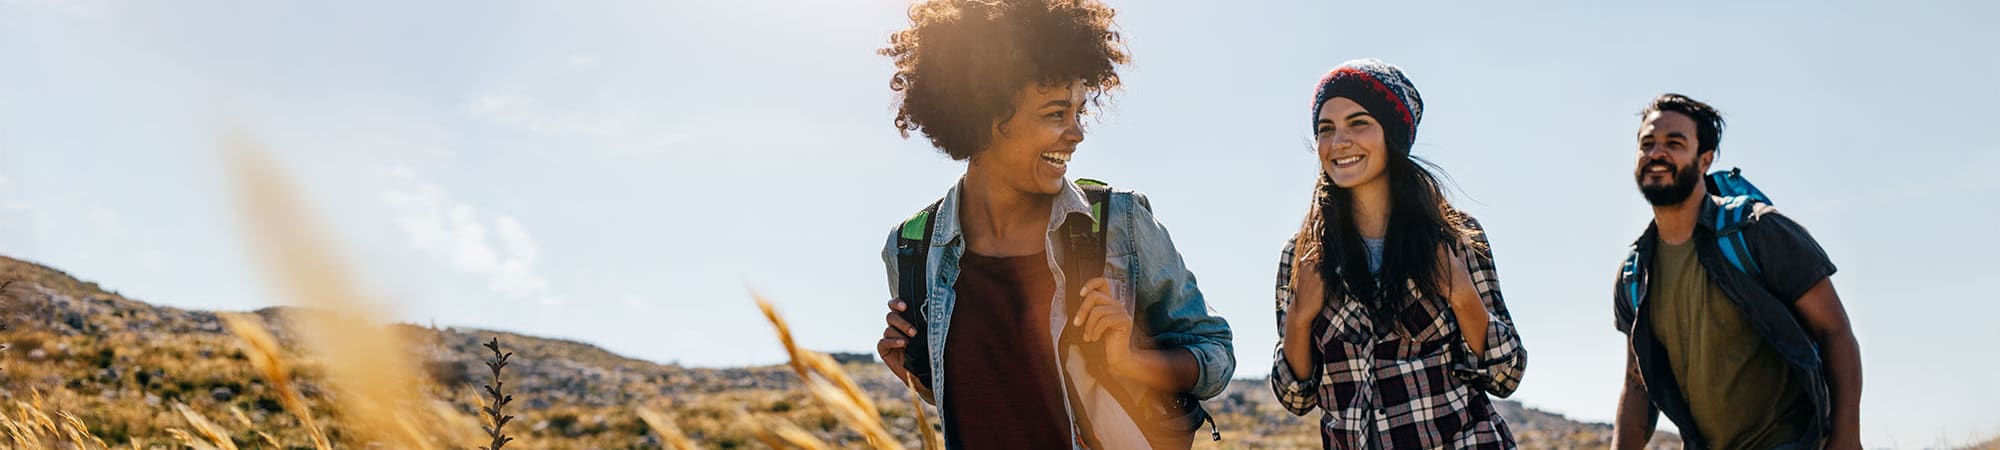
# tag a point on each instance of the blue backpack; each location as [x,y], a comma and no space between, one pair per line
[1737,197]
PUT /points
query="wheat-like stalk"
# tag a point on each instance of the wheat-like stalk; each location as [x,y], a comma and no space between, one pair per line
[269,359]
[37,421]
[827,382]
[22,434]
[190,440]
[237,413]
[79,432]
[206,428]
[365,363]
[664,426]
[779,433]
[932,441]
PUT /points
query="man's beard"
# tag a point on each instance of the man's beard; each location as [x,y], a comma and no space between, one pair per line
[1681,185]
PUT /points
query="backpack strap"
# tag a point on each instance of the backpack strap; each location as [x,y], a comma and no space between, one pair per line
[1628,280]
[913,248]
[1084,248]
[1739,200]
[1729,220]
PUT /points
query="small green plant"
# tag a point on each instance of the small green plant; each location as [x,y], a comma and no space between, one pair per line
[497,400]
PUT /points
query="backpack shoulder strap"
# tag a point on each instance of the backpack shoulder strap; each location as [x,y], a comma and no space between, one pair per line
[1731,215]
[1085,247]
[1083,241]
[1629,275]
[913,247]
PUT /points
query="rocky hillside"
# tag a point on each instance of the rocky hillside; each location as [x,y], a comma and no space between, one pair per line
[119,365]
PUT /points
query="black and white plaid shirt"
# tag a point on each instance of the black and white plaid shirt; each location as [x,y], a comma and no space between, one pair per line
[1425,390]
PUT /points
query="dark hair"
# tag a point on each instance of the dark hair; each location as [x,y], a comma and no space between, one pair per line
[960,63]
[1707,121]
[1420,222]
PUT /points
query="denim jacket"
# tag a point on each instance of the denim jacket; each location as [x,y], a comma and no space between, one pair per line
[1146,273]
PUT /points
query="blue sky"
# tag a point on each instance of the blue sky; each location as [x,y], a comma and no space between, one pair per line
[618,173]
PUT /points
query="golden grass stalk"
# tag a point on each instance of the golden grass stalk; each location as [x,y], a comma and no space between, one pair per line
[37,421]
[932,441]
[22,434]
[79,432]
[827,382]
[779,433]
[664,426]
[237,413]
[268,357]
[189,440]
[207,429]
[365,363]
[269,440]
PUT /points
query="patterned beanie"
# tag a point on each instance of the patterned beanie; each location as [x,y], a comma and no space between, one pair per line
[1379,88]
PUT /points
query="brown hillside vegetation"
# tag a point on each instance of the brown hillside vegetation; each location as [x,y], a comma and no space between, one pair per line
[120,367]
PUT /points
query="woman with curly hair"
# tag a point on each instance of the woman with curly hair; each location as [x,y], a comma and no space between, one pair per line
[1390,319]
[1034,310]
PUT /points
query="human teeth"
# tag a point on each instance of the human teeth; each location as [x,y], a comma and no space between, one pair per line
[1347,160]
[1056,157]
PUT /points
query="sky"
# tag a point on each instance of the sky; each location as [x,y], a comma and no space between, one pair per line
[622,173]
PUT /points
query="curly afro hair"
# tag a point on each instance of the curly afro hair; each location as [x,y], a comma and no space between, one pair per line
[960,63]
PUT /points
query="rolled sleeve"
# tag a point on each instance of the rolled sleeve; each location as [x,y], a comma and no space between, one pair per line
[889,259]
[1792,260]
[1498,369]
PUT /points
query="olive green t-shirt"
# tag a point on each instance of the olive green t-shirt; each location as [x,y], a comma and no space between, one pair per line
[1741,393]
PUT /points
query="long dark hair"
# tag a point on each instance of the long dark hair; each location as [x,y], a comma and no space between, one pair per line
[1420,222]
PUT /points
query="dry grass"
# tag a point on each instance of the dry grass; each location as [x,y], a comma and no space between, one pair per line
[364,362]
[831,385]
[30,426]
[670,434]
[206,429]
[268,357]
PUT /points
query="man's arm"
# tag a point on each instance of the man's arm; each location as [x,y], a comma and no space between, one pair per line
[1633,427]
[1826,320]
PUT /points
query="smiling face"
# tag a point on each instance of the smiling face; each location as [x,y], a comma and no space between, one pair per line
[1031,149]
[1670,162]
[1352,150]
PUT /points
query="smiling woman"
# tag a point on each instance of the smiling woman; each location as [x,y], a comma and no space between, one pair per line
[1050,352]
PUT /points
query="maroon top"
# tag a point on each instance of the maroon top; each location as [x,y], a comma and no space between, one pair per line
[1004,391]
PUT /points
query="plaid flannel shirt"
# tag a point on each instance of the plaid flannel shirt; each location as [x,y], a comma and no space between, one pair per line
[1424,390]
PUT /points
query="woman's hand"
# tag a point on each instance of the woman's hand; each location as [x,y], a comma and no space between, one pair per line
[895,337]
[1308,289]
[1102,318]
[1308,299]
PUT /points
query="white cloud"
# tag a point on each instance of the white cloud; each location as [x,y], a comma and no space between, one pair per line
[457,233]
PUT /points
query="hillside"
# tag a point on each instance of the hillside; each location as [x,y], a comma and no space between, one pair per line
[119,365]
